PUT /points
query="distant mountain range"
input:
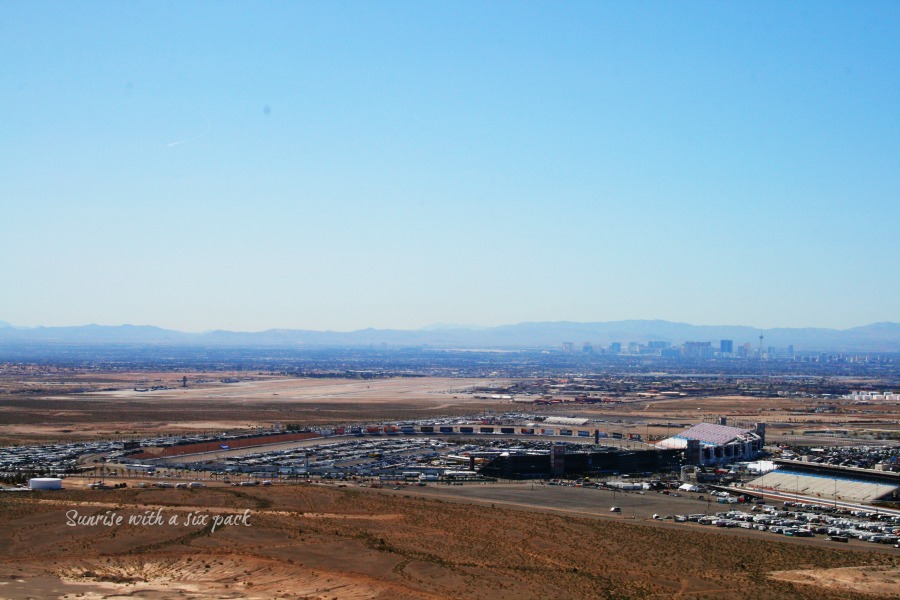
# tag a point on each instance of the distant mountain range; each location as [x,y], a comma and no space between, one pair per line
[877,337]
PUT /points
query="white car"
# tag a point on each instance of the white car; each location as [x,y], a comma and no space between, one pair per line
[615,509]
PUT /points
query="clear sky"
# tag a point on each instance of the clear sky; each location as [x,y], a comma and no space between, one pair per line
[341,165]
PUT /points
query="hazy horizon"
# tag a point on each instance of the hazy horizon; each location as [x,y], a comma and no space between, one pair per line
[202,166]
[441,326]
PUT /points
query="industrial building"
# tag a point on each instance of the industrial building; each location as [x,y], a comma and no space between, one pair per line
[716,444]
[571,421]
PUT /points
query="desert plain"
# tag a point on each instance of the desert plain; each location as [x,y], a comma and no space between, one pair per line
[318,540]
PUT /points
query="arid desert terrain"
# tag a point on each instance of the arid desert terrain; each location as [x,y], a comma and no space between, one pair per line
[306,540]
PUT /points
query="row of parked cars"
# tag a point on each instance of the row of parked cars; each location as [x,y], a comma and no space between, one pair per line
[808,522]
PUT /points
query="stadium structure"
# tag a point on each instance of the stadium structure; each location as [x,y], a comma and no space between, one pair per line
[830,482]
[709,444]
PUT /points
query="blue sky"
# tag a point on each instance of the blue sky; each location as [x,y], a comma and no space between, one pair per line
[341,165]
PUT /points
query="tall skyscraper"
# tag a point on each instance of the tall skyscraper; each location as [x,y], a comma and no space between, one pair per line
[697,349]
[726,346]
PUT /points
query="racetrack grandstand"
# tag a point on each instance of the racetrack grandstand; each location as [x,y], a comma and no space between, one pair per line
[711,444]
[824,486]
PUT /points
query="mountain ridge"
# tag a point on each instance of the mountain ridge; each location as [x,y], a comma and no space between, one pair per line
[874,337]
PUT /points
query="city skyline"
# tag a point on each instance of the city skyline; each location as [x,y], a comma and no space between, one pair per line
[205,166]
[640,337]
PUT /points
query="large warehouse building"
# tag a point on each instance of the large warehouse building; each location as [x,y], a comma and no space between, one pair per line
[712,444]
[562,462]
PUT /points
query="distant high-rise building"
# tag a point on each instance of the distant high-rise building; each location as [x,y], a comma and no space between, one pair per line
[697,349]
[657,345]
[568,347]
[587,348]
[634,347]
[726,346]
[615,347]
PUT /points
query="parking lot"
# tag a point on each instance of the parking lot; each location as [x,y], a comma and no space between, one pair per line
[669,510]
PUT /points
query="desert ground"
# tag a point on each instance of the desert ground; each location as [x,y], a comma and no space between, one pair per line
[316,541]
[46,405]
[786,418]
[41,407]
[320,541]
